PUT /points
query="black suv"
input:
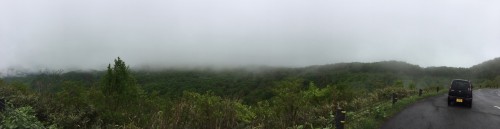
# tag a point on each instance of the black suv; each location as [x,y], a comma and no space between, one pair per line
[460,92]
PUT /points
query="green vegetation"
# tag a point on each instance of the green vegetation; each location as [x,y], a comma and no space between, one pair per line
[22,117]
[232,98]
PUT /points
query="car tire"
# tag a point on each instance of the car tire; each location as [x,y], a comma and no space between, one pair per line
[469,105]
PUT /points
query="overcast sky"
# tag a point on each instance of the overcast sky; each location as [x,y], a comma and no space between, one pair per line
[89,34]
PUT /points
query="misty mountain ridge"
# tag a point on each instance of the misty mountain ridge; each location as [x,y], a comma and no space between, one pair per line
[248,82]
[488,69]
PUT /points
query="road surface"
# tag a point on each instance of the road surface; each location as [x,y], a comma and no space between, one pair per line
[434,113]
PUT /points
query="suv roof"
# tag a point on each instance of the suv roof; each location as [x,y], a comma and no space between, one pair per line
[460,80]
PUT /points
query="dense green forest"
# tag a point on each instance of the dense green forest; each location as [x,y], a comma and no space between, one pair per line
[266,97]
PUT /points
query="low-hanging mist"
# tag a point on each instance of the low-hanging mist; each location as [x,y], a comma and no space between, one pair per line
[225,33]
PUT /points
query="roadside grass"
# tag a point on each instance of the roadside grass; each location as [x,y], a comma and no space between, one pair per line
[374,116]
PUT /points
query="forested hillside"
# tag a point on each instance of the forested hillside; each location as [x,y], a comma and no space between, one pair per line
[215,98]
[487,70]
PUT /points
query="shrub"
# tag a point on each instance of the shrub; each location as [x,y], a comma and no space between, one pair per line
[20,118]
[196,110]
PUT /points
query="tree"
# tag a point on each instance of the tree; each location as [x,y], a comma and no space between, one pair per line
[121,93]
[497,80]
[399,83]
[412,86]
[289,102]
[118,79]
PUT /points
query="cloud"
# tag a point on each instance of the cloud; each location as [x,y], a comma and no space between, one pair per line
[292,33]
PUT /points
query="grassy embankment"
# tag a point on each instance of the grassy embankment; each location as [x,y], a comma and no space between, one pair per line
[375,115]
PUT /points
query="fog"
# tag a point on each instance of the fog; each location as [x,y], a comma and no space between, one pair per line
[60,34]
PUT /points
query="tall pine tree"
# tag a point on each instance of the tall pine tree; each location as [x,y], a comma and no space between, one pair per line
[121,94]
[118,80]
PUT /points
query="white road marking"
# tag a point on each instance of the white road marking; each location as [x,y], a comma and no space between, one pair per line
[497,107]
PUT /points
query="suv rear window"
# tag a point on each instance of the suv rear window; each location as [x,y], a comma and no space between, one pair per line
[460,85]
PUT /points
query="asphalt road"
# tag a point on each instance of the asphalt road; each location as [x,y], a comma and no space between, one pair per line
[434,113]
